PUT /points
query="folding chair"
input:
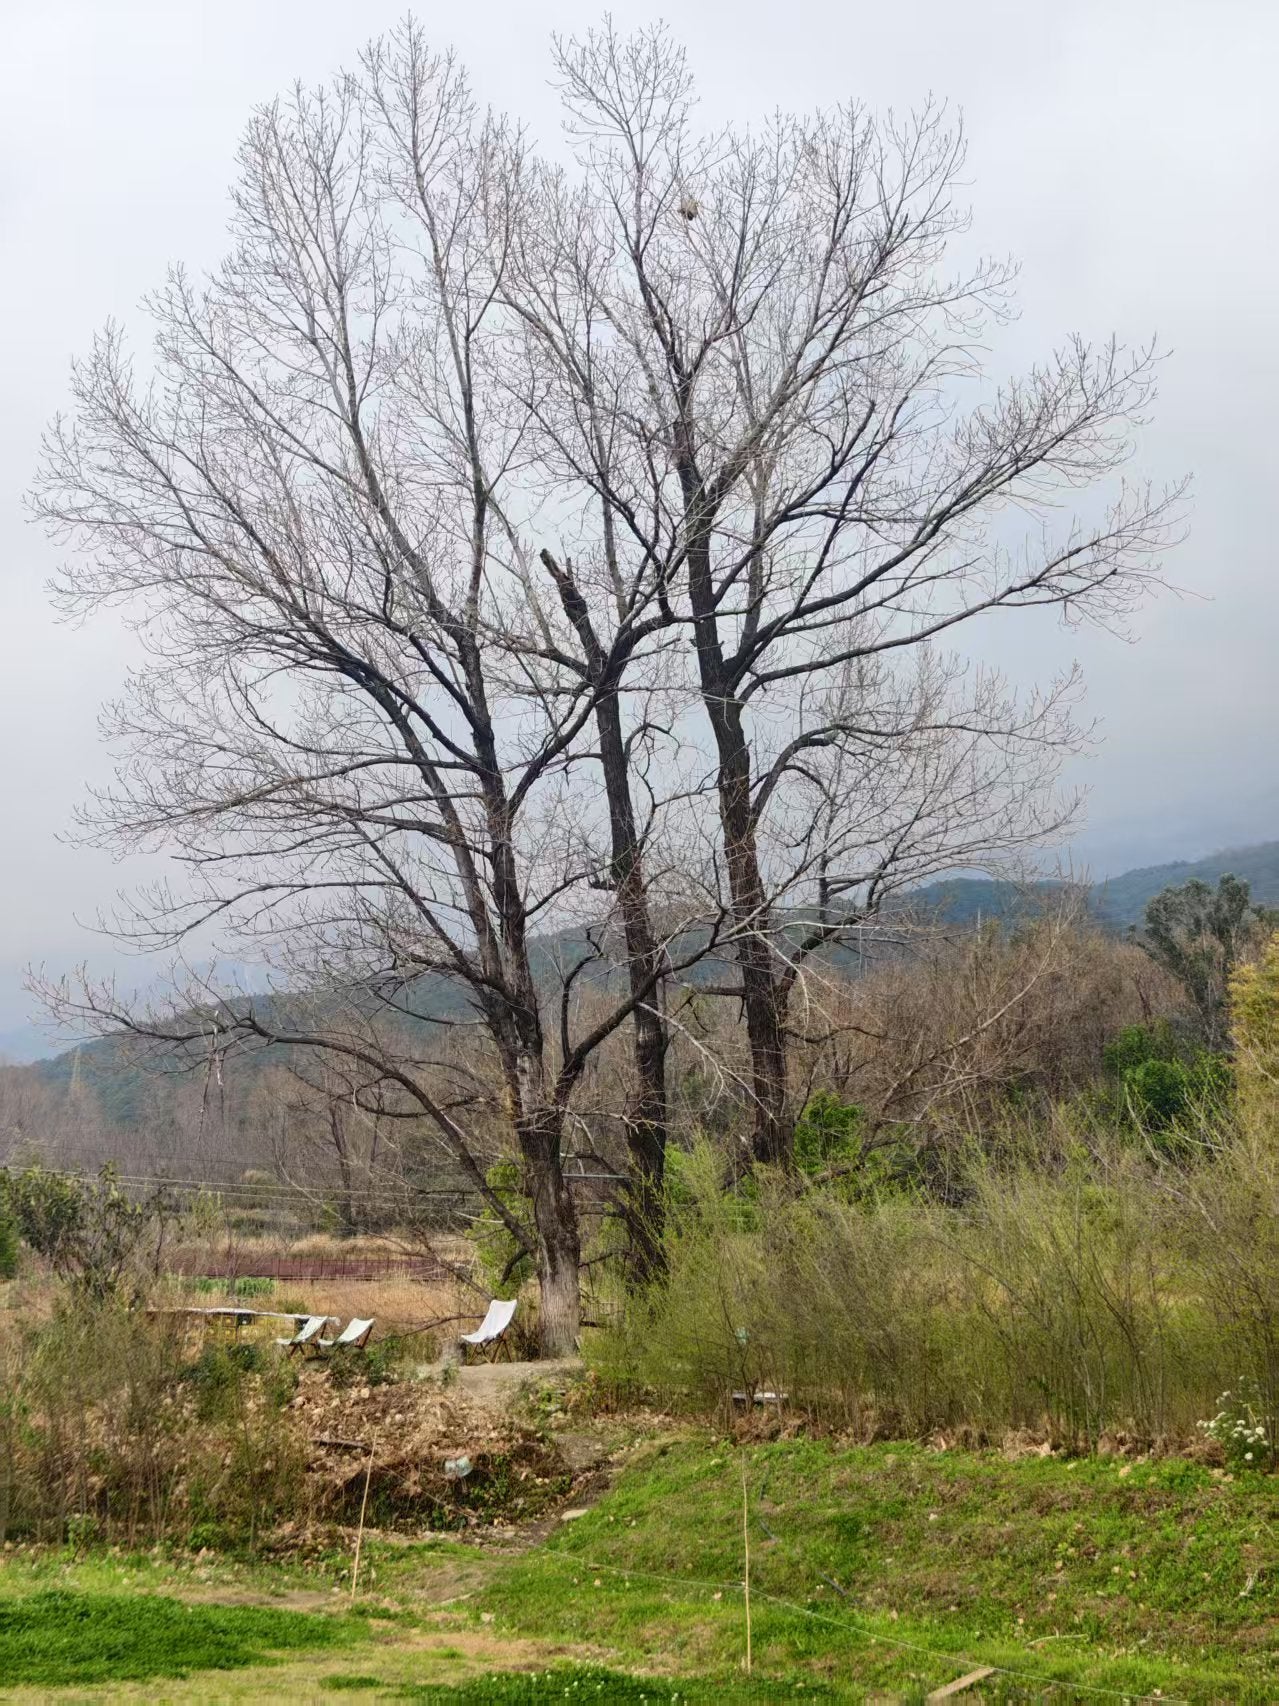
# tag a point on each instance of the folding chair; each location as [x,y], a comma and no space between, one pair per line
[491,1330]
[354,1336]
[307,1334]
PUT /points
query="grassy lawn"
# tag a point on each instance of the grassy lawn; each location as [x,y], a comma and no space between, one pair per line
[56,1639]
[887,1569]
[900,1569]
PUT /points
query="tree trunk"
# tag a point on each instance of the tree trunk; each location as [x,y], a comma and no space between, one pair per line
[642,1204]
[346,1196]
[559,1248]
[761,996]
[771,1140]
[560,1314]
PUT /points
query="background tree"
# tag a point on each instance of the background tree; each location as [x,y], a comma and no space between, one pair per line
[1199,935]
[1254,1032]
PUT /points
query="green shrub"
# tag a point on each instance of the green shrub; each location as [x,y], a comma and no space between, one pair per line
[502,1267]
[219,1374]
[108,1431]
[828,1132]
[1135,1045]
[90,1231]
[378,1364]
[1162,1088]
[1159,1092]
[1080,1297]
[8,1240]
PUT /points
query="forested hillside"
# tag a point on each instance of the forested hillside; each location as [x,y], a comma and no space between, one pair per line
[1118,901]
[157,1108]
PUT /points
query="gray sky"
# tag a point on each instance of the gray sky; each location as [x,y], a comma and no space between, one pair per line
[1125,150]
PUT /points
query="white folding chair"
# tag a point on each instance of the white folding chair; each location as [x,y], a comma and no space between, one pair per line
[307,1334]
[354,1336]
[491,1330]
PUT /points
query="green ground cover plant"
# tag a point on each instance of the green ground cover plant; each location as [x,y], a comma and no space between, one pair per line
[60,1639]
[585,1683]
[883,1569]
[898,1568]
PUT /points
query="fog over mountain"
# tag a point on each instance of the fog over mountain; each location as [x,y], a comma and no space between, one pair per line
[1123,154]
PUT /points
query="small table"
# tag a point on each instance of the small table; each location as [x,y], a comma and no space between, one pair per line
[241,1317]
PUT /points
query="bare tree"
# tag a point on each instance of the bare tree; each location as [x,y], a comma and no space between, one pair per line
[311,510]
[800,444]
[524,555]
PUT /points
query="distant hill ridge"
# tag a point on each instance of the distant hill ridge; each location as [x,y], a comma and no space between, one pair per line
[1118,902]
[1123,900]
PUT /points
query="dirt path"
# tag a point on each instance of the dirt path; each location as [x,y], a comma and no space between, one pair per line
[496,1385]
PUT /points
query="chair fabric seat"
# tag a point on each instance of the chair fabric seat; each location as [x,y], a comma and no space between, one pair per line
[501,1312]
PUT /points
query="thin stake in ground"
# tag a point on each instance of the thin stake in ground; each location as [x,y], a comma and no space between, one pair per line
[364,1505]
[746,1545]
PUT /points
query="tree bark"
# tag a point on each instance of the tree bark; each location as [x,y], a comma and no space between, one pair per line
[558,1241]
[642,1205]
[761,996]
[771,1139]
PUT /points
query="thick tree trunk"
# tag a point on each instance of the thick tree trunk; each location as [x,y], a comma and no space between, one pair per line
[771,1139]
[558,1241]
[560,1313]
[642,1205]
[646,1114]
[761,996]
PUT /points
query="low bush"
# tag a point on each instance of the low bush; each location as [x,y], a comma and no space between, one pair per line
[8,1240]
[378,1364]
[108,1431]
[1164,1087]
[1087,1295]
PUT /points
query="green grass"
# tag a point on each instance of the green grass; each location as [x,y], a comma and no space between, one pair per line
[57,1639]
[585,1683]
[886,1570]
[895,1568]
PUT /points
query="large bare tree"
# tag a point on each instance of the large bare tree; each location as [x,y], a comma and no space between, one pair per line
[313,509]
[528,553]
[747,347]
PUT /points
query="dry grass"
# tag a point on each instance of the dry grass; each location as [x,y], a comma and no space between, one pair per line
[447,1246]
[398,1305]
[325,1246]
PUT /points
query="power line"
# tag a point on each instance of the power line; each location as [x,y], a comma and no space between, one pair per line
[273,1187]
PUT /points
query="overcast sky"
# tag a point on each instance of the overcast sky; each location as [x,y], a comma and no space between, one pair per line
[1124,150]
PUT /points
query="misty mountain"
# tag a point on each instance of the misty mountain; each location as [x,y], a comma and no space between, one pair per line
[123,1086]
